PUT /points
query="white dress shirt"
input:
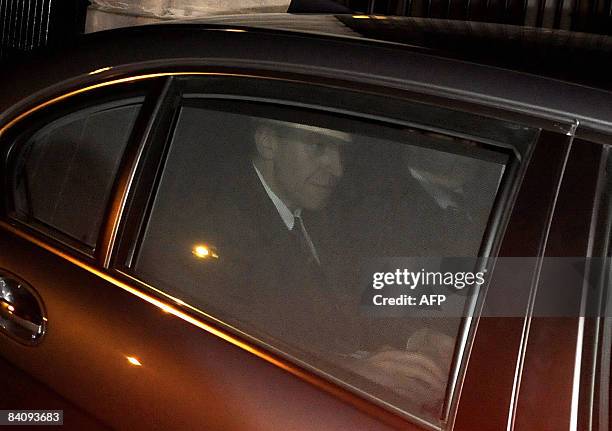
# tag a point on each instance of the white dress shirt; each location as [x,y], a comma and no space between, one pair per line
[288,216]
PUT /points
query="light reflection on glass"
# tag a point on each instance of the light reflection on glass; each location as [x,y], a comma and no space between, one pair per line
[202,251]
[132,360]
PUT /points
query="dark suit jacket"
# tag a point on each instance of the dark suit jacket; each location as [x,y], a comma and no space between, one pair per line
[263,280]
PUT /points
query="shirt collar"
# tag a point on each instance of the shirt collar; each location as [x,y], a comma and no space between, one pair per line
[285,213]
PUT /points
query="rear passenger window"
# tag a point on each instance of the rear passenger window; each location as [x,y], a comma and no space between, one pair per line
[63,171]
[264,215]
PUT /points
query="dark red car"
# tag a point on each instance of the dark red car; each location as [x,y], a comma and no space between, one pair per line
[215,225]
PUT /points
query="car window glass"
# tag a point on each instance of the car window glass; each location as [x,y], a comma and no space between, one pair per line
[63,173]
[263,222]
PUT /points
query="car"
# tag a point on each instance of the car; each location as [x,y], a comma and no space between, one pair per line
[232,224]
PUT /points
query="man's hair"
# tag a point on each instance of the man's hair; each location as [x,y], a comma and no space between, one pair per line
[287,127]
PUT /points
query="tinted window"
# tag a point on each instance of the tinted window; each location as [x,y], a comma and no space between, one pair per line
[64,172]
[264,214]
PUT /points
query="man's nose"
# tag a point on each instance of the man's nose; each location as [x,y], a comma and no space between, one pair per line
[333,161]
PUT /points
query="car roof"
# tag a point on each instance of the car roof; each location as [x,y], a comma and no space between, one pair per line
[334,47]
[575,57]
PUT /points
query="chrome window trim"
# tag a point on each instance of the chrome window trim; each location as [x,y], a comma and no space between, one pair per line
[108,245]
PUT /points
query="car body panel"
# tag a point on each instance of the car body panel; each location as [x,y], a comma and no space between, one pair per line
[189,379]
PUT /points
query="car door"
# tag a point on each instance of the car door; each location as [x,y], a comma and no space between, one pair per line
[135,333]
[568,321]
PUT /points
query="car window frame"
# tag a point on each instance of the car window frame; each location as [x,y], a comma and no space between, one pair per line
[126,247]
[43,115]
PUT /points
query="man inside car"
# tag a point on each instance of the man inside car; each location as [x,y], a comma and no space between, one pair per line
[274,267]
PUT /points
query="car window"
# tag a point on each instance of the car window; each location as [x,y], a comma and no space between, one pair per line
[265,217]
[64,170]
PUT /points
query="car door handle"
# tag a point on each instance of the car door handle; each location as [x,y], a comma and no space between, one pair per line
[22,314]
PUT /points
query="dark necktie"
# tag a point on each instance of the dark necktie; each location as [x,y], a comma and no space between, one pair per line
[306,242]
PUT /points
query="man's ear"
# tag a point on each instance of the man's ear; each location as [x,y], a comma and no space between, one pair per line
[266,142]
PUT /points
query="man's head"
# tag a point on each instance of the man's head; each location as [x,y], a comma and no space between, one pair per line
[301,164]
[443,169]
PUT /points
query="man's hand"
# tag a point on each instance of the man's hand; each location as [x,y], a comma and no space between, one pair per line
[418,374]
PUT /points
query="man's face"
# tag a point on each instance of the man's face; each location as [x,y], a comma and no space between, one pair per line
[308,165]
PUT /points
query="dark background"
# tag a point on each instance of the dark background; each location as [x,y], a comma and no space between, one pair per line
[26,25]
